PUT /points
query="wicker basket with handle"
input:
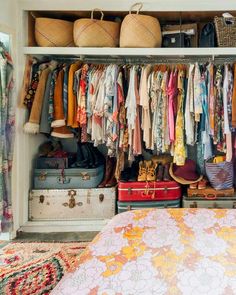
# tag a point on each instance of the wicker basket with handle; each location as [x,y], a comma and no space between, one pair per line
[90,32]
[51,32]
[140,30]
[225,31]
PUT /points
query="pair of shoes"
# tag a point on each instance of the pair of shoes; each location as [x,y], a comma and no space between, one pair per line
[163,172]
[88,156]
[147,171]
[109,179]
[202,184]
[131,173]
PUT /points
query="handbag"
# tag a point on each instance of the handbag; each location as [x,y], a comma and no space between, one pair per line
[175,40]
[208,36]
[219,174]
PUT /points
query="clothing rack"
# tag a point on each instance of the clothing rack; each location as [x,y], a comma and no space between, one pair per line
[146,60]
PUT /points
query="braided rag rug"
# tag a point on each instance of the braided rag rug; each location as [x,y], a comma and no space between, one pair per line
[35,268]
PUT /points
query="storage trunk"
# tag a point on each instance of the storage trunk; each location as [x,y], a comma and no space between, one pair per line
[126,206]
[148,191]
[210,193]
[72,204]
[68,178]
[200,203]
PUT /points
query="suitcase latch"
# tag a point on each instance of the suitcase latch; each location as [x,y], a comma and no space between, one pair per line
[72,203]
[129,190]
[41,199]
[193,205]
[42,176]
[85,176]
[101,197]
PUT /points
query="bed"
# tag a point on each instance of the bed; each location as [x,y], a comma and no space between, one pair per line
[159,251]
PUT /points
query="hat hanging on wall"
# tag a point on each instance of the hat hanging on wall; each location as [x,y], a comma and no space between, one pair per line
[185,174]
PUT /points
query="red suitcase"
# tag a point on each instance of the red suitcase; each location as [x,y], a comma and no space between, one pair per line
[148,191]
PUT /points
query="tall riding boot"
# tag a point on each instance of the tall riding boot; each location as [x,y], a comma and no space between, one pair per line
[108,170]
[85,162]
[91,157]
[97,155]
[112,181]
[79,156]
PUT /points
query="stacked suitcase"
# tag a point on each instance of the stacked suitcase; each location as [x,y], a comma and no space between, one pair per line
[157,194]
[64,193]
[210,198]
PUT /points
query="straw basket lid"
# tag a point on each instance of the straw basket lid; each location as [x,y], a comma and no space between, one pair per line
[50,32]
[90,32]
[140,30]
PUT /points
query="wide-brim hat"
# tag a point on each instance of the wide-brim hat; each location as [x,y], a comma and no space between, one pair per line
[185,174]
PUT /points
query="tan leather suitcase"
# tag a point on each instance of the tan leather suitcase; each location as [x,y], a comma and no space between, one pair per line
[210,193]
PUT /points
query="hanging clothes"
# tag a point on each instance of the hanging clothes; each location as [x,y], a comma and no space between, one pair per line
[179,145]
[7,117]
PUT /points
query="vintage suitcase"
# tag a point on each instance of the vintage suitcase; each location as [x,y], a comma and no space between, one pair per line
[126,206]
[68,178]
[210,193]
[200,203]
[148,191]
[98,203]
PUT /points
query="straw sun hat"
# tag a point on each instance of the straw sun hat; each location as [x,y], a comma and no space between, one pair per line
[185,174]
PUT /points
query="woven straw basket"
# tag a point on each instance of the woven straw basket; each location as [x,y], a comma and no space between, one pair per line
[225,31]
[51,32]
[140,30]
[90,32]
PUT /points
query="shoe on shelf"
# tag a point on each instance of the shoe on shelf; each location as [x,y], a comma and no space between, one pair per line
[160,172]
[166,174]
[112,180]
[142,174]
[109,179]
[193,185]
[202,184]
[151,170]
[125,174]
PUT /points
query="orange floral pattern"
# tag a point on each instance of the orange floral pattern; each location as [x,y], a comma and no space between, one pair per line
[159,251]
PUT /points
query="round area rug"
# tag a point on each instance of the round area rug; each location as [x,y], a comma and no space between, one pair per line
[36,268]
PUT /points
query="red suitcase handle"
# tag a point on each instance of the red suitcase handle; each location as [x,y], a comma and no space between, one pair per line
[148,193]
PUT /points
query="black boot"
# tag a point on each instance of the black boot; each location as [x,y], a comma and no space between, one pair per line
[79,156]
[99,159]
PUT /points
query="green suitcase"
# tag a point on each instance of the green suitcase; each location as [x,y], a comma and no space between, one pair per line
[126,206]
[220,203]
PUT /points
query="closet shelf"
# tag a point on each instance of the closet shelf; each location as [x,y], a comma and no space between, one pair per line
[119,52]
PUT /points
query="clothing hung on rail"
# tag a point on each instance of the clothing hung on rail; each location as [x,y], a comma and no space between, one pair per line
[162,108]
[7,123]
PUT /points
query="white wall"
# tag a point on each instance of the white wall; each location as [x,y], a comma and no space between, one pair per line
[8,13]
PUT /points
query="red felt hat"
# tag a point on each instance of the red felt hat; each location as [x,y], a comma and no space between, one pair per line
[185,174]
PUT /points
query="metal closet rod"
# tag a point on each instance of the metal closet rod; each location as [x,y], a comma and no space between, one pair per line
[145,60]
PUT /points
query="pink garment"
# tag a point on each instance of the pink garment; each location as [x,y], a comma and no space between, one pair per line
[137,144]
[172,93]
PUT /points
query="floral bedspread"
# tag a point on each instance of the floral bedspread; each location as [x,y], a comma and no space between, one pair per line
[159,251]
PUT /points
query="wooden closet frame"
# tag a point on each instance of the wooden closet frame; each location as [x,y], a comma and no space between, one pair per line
[26,145]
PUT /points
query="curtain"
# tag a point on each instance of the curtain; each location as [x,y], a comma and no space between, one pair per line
[7,127]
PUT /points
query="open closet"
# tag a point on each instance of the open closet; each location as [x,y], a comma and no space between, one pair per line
[188,16]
